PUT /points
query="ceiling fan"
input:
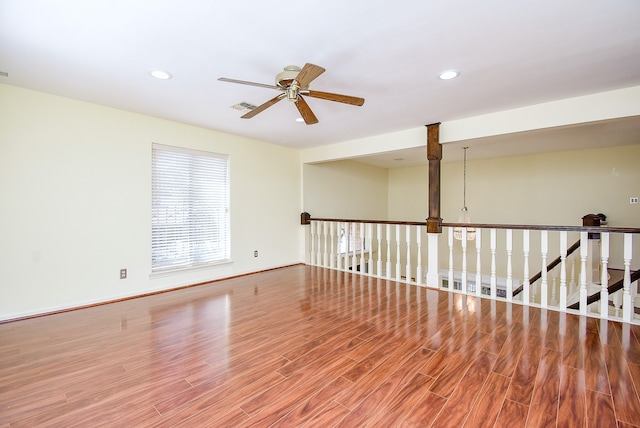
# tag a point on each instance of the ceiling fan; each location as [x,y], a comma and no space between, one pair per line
[293,82]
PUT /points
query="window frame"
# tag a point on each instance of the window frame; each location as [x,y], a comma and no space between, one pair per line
[350,239]
[190,209]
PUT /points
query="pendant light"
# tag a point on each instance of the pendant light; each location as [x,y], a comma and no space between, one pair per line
[464,213]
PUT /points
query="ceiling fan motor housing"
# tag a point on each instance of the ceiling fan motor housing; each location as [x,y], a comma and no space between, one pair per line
[286,77]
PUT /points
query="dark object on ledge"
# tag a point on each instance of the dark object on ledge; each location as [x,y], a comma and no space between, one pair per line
[592,220]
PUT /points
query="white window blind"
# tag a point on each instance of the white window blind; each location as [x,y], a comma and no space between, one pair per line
[190,208]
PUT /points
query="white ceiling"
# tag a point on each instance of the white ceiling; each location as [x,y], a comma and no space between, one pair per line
[510,54]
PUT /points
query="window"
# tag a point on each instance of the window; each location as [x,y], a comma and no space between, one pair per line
[350,239]
[189,208]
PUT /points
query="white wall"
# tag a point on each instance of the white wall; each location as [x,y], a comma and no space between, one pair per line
[75,186]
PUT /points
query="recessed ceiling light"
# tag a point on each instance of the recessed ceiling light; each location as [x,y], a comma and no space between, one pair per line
[299,119]
[449,74]
[159,74]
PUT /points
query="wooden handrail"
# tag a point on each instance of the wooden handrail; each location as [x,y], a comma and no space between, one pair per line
[550,266]
[347,220]
[610,289]
[593,229]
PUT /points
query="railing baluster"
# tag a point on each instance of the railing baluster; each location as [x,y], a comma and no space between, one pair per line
[509,264]
[319,244]
[604,275]
[627,305]
[332,233]
[478,262]
[379,264]
[312,241]
[573,286]
[388,273]
[325,253]
[370,248]
[408,242]
[563,271]
[338,253]
[362,264]
[419,257]
[398,270]
[354,256]
[343,249]
[617,303]
[584,242]
[463,279]
[494,279]
[544,286]
[450,278]
[342,236]
[525,282]
[336,250]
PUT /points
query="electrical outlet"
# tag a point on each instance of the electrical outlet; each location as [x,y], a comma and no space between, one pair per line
[255,253]
[633,200]
[123,274]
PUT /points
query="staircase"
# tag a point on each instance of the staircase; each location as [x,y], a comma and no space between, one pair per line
[617,278]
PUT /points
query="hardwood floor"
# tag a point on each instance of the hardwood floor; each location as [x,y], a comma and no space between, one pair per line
[304,346]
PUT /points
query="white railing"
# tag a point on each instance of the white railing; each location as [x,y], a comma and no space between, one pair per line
[500,262]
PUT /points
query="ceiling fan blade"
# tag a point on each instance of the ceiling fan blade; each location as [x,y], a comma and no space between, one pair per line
[243,82]
[263,107]
[356,101]
[308,73]
[305,111]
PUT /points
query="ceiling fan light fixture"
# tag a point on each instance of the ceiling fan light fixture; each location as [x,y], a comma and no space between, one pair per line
[299,119]
[160,74]
[449,74]
[292,92]
[464,217]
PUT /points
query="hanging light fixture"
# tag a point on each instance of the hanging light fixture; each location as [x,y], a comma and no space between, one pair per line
[464,213]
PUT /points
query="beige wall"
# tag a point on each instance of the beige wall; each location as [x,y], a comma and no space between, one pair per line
[345,189]
[409,193]
[75,198]
[545,189]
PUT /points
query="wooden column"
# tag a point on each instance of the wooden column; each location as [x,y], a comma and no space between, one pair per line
[434,155]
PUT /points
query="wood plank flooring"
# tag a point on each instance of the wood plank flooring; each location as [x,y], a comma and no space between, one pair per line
[304,346]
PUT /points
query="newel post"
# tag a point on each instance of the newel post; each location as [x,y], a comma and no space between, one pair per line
[434,222]
[305,218]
